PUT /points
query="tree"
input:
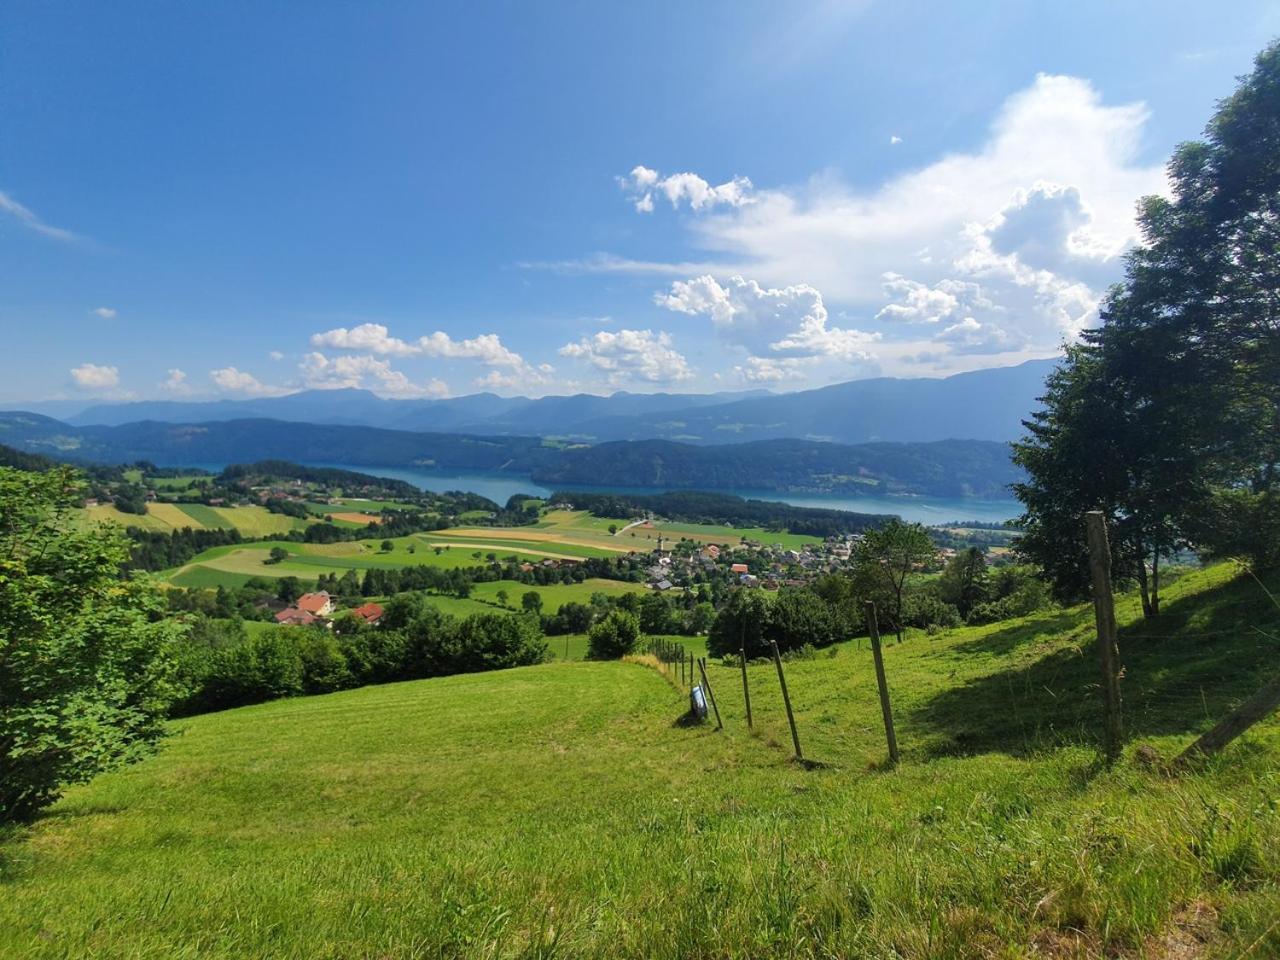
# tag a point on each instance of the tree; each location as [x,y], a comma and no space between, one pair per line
[1167,417]
[531,602]
[387,546]
[617,635]
[800,617]
[277,555]
[701,617]
[288,589]
[885,559]
[87,660]
[502,597]
[963,583]
[740,624]
[656,615]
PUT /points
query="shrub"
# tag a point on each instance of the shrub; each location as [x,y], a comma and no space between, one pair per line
[89,661]
[264,667]
[324,666]
[617,635]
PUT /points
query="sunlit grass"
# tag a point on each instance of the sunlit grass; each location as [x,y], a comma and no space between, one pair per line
[563,810]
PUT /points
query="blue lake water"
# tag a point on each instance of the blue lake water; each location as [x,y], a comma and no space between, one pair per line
[499,487]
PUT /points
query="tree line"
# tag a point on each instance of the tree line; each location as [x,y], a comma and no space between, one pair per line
[1167,415]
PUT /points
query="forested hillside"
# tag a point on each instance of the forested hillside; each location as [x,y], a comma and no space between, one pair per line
[948,468]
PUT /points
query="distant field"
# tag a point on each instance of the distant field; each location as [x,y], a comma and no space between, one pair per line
[554,595]
[251,521]
[161,520]
[580,526]
[573,646]
[203,517]
[309,560]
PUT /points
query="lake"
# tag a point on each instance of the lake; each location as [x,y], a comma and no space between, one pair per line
[499,487]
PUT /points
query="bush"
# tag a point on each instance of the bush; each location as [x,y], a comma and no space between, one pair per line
[264,667]
[617,635]
[324,666]
[89,661]
[741,623]
[928,611]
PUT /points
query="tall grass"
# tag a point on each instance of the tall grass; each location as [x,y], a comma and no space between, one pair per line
[564,810]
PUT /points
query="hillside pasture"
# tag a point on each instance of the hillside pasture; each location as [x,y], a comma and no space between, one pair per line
[561,810]
[309,560]
[251,521]
[555,595]
[581,526]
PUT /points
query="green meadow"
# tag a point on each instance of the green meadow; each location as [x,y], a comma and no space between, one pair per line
[564,810]
[555,595]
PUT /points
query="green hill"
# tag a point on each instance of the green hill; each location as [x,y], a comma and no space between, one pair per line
[562,810]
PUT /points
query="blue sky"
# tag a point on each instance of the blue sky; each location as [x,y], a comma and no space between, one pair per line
[237,199]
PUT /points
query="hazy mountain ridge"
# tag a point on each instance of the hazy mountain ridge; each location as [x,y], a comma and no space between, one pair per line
[983,405]
[946,468]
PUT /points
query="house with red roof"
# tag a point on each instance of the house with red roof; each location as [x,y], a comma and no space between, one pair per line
[293,617]
[370,613]
[318,604]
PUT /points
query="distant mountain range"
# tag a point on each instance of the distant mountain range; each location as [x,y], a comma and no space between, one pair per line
[983,405]
[944,468]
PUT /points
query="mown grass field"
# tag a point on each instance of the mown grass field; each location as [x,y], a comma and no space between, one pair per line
[563,810]
[554,595]
[251,521]
[232,565]
[583,527]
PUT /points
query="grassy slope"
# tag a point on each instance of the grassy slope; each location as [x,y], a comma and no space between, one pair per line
[554,595]
[252,521]
[561,810]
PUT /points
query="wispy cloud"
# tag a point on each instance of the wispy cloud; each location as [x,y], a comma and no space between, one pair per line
[28,219]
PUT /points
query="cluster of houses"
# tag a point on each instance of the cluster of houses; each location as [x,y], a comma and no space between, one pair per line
[317,609]
[774,565]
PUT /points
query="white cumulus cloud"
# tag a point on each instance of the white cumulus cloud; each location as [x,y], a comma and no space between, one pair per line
[91,376]
[643,184]
[325,373]
[233,380]
[631,355]
[105,313]
[176,382]
[376,338]
[767,320]
[1022,234]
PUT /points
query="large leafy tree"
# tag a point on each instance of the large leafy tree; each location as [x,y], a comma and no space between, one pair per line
[885,560]
[1167,417]
[87,660]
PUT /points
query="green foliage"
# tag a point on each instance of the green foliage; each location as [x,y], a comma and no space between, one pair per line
[87,667]
[963,583]
[1167,418]
[740,625]
[997,836]
[617,635]
[800,618]
[531,602]
[884,560]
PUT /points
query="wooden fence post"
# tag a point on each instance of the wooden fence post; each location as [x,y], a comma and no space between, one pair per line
[1236,723]
[746,690]
[886,711]
[1104,613]
[702,668]
[786,700]
[690,671]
